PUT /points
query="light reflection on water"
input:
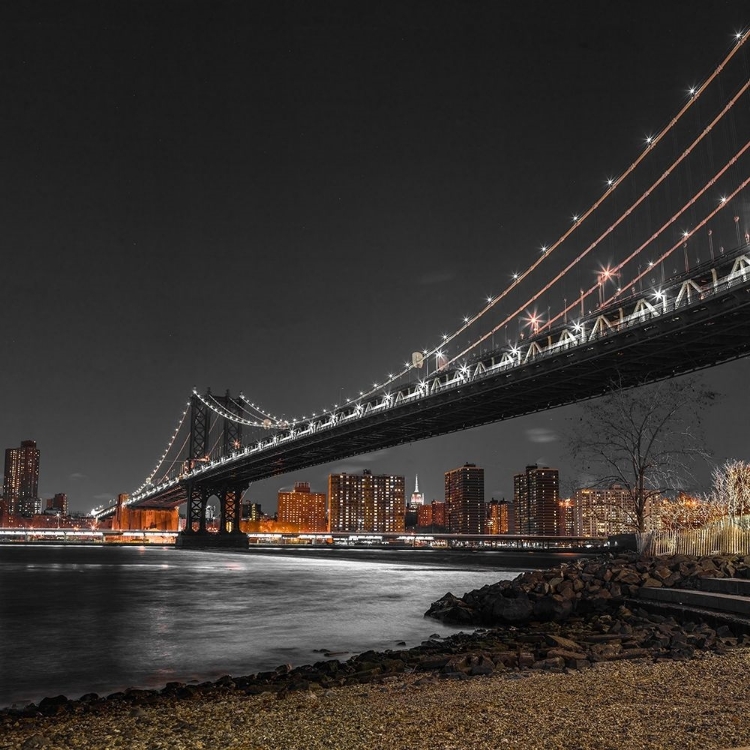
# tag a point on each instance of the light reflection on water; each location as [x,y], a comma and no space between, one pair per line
[81,619]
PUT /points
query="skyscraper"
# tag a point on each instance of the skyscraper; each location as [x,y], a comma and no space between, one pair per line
[366,503]
[536,501]
[417,497]
[304,509]
[465,508]
[21,483]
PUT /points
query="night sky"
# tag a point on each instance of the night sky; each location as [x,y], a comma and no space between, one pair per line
[287,199]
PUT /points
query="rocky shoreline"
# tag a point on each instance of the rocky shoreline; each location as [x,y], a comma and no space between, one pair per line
[583,588]
[573,618]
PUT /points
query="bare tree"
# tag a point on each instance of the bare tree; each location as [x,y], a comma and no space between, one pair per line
[644,439]
[686,512]
[731,488]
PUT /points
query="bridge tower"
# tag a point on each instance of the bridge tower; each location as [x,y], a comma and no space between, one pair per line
[199,491]
[198,450]
[230,492]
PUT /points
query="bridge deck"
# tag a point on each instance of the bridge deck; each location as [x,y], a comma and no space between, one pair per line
[705,331]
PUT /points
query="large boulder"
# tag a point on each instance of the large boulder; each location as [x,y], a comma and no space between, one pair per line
[451,609]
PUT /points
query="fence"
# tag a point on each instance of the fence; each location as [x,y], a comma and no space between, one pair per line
[727,536]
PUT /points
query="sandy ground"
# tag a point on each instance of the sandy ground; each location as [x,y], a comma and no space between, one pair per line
[703,704]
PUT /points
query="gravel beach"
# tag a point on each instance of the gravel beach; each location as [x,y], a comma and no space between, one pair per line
[702,703]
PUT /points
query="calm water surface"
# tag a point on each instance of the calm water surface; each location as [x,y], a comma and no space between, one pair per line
[77,619]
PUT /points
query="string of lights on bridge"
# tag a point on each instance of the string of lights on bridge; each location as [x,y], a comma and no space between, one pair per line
[265,420]
[609,273]
[694,93]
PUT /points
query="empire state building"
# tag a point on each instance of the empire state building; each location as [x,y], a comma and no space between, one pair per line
[417,497]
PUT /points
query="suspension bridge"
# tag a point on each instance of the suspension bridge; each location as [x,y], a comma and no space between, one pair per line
[666,250]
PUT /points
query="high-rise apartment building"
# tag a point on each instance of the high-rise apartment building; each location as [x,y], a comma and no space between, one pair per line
[21,483]
[601,512]
[302,508]
[465,508]
[366,502]
[536,499]
[566,517]
[431,516]
[498,517]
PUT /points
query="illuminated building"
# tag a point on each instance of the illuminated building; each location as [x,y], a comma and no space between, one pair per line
[438,514]
[431,516]
[465,508]
[127,518]
[601,512]
[498,517]
[303,509]
[366,502]
[58,504]
[417,497]
[21,484]
[535,499]
[566,517]
[251,512]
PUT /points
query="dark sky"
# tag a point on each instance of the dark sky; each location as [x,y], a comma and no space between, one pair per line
[287,199]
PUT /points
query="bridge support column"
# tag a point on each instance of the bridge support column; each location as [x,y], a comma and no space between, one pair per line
[196,510]
[231,509]
[196,536]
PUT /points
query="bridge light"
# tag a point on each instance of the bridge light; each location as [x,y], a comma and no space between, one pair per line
[577,327]
[723,199]
[692,90]
[544,249]
[575,217]
[610,182]
[489,300]
[659,295]
[649,140]
[466,318]
[515,277]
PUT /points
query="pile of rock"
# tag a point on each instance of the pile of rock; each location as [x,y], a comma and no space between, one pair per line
[587,586]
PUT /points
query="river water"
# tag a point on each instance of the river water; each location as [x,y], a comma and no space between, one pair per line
[78,619]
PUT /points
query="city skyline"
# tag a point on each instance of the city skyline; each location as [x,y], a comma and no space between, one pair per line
[213,204]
